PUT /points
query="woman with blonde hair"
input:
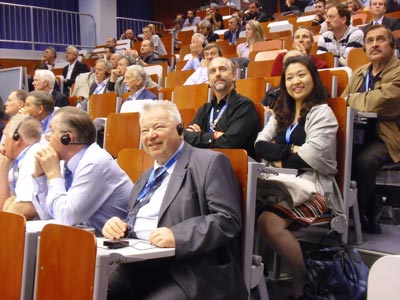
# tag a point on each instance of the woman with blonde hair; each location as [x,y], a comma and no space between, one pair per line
[254,33]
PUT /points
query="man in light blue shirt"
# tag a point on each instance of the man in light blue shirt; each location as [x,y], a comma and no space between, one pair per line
[92,187]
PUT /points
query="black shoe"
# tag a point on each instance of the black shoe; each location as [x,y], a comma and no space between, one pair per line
[370,225]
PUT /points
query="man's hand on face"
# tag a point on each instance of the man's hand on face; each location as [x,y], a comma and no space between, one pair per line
[49,162]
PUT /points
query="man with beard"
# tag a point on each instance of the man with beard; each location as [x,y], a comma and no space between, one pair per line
[229,120]
[341,37]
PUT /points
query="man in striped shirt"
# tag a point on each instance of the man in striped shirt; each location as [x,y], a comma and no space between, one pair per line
[341,37]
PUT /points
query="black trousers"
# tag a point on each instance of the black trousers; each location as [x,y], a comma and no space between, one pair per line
[144,280]
[368,159]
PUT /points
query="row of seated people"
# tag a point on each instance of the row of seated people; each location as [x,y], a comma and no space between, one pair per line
[230,120]
[340,29]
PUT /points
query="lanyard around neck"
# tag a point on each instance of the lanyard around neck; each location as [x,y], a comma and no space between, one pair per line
[289,131]
[213,122]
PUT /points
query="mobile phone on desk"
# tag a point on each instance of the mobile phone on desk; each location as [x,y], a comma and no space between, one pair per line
[116,244]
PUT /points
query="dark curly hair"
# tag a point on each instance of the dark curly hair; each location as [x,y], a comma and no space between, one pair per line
[285,106]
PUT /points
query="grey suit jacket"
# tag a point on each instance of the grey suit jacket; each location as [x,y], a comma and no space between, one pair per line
[202,208]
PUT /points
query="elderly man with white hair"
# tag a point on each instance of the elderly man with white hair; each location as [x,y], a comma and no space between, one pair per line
[73,69]
[135,78]
[43,80]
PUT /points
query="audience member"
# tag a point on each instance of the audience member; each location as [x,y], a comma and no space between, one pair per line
[254,12]
[290,6]
[319,16]
[44,81]
[15,101]
[111,42]
[301,134]
[341,37]
[108,53]
[40,66]
[211,51]
[232,34]
[40,105]
[116,82]
[49,57]
[17,161]
[214,18]
[114,59]
[197,45]
[375,87]
[254,33]
[229,120]
[205,28]
[354,6]
[73,69]
[204,231]
[147,55]
[303,40]
[228,3]
[130,35]
[102,72]
[135,79]
[92,187]
[178,24]
[191,19]
[149,35]
[378,10]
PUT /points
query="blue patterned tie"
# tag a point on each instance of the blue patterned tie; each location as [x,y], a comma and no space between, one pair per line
[153,183]
[67,178]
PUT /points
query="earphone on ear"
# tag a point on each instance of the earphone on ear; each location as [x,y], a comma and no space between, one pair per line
[179,128]
[16,135]
[65,139]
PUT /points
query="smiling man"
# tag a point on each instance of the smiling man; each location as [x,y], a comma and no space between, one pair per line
[229,120]
[189,201]
[375,87]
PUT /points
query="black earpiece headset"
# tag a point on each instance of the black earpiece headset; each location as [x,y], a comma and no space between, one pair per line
[16,135]
[66,140]
[179,128]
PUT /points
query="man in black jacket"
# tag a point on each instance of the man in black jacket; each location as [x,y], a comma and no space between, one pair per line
[73,69]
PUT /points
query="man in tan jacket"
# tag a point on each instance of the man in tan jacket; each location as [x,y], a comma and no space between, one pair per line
[375,87]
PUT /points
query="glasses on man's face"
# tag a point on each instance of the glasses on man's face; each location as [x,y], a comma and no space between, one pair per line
[330,17]
[377,4]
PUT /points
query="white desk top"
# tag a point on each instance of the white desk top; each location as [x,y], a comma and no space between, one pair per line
[137,250]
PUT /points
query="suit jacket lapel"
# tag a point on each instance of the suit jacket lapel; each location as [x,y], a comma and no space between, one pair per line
[176,180]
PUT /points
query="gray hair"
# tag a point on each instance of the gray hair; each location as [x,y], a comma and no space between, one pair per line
[27,127]
[73,49]
[201,37]
[46,75]
[43,98]
[107,64]
[165,105]
[137,71]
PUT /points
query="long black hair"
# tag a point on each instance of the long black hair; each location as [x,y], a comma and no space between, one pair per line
[285,106]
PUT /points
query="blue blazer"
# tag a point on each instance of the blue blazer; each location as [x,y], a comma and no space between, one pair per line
[145,94]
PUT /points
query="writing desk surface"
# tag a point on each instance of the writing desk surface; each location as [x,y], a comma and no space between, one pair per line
[108,259]
[137,250]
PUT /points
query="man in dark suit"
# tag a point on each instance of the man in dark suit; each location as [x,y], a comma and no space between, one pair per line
[234,29]
[193,205]
[73,69]
[378,9]
[205,28]
[44,81]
